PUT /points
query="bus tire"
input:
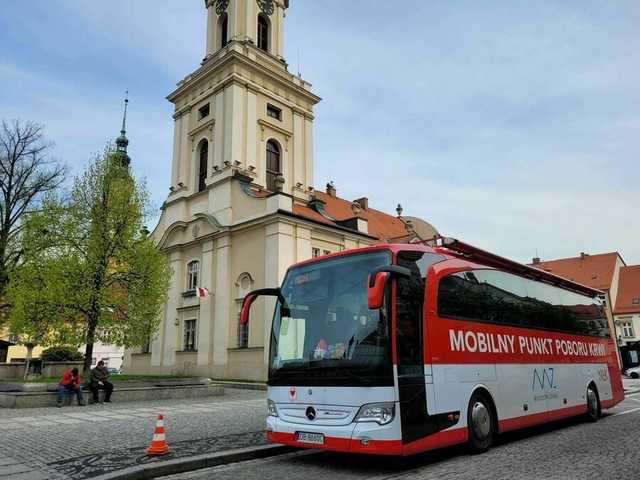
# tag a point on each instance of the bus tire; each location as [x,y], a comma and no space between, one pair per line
[593,404]
[480,423]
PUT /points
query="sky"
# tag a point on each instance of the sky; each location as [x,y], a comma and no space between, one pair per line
[510,125]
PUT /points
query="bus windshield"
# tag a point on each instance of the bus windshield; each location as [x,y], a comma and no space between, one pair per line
[324,332]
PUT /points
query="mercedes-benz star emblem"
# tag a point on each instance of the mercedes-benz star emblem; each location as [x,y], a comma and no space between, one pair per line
[311,413]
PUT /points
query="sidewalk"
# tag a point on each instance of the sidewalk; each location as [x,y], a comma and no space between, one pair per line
[83,442]
[631,385]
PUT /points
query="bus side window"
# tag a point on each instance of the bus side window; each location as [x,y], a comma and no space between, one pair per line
[410,295]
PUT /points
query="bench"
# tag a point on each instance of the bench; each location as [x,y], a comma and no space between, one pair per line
[121,394]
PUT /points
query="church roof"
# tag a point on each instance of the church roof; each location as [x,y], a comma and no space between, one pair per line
[595,271]
[628,299]
[380,225]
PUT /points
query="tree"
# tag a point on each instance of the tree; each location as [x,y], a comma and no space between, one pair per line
[90,272]
[26,174]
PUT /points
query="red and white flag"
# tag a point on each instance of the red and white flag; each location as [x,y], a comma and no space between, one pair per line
[202,292]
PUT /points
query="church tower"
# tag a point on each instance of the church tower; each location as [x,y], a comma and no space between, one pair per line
[241,206]
[242,112]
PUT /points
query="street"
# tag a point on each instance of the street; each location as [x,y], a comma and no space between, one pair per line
[568,449]
[83,442]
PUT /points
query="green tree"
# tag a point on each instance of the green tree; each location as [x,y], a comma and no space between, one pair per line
[90,272]
[26,174]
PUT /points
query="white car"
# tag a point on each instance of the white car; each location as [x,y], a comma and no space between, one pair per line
[633,372]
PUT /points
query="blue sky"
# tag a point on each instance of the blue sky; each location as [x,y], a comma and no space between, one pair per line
[513,125]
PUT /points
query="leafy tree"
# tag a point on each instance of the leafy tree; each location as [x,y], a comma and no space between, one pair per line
[26,174]
[61,354]
[90,272]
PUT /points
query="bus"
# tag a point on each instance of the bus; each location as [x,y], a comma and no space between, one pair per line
[397,349]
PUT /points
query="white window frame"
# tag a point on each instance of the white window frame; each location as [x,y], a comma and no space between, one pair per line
[315,252]
[190,335]
[193,275]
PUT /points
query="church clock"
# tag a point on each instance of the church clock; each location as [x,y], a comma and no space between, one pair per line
[266,6]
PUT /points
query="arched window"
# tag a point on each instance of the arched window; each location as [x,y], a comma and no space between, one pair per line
[223,23]
[244,285]
[263,32]
[193,275]
[273,164]
[202,170]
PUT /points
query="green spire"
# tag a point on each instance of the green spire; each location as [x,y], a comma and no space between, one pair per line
[122,142]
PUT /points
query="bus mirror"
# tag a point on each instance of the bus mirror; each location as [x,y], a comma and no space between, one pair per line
[251,297]
[246,306]
[375,292]
[378,280]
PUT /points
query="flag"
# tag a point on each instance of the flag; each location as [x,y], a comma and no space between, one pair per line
[202,292]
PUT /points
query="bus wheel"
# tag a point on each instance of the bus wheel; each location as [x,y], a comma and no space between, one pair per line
[593,404]
[480,421]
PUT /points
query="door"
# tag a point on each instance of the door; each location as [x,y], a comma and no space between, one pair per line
[409,349]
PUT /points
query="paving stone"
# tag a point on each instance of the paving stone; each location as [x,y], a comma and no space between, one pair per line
[43,423]
[95,438]
[7,470]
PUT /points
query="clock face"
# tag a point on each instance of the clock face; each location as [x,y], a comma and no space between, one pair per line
[266,6]
[221,6]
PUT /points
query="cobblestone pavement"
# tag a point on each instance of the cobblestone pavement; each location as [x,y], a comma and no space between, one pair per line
[82,442]
[631,384]
[566,450]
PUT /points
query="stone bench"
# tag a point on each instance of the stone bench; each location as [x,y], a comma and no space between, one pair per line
[121,393]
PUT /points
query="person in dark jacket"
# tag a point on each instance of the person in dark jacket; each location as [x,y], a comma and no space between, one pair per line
[98,380]
[70,382]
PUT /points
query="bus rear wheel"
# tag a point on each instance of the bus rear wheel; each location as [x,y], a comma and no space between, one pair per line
[481,424]
[593,404]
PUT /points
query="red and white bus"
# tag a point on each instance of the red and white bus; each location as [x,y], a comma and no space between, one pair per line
[398,349]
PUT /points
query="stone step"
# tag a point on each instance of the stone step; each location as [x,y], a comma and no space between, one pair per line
[120,394]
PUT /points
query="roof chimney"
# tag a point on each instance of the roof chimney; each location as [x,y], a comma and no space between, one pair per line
[331,189]
[363,202]
[536,260]
[583,255]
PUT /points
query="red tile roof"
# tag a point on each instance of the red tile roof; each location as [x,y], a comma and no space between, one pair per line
[595,271]
[628,290]
[380,224]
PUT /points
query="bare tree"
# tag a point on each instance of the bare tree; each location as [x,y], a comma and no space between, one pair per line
[26,174]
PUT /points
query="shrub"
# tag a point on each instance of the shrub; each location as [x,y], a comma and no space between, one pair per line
[61,354]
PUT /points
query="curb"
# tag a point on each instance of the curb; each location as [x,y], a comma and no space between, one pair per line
[187,464]
[631,392]
[241,385]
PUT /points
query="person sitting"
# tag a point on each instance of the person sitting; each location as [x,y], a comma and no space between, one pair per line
[98,381]
[70,382]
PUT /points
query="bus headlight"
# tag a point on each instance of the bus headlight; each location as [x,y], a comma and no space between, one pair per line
[381,413]
[271,408]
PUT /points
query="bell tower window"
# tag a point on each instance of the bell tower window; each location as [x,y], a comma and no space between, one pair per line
[273,164]
[263,32]
[202,170]
[223,23]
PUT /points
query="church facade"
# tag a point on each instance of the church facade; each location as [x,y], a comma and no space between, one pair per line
[242,206]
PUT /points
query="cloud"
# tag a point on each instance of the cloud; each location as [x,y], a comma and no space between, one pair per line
[511,125]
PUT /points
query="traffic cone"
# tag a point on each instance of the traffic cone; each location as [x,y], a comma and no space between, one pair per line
[159,443]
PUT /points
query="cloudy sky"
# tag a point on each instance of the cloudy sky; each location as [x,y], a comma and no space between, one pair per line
[513,125]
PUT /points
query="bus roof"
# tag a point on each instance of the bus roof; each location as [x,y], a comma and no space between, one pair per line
[453,248]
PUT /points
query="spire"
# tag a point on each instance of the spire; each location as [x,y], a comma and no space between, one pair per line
[122,142]
[123,132]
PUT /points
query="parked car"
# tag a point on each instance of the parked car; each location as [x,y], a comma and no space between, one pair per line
[113,371]
[633,372]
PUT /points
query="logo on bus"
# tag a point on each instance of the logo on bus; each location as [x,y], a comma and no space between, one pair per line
[542,378]
[292,393]
[603,374]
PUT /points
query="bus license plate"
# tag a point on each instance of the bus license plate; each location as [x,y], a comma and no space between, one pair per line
[314,438]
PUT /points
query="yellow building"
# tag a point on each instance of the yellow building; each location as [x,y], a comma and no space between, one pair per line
[11,352]
[242,206]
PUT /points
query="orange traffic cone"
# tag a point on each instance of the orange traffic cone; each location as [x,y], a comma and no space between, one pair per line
[159,443]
